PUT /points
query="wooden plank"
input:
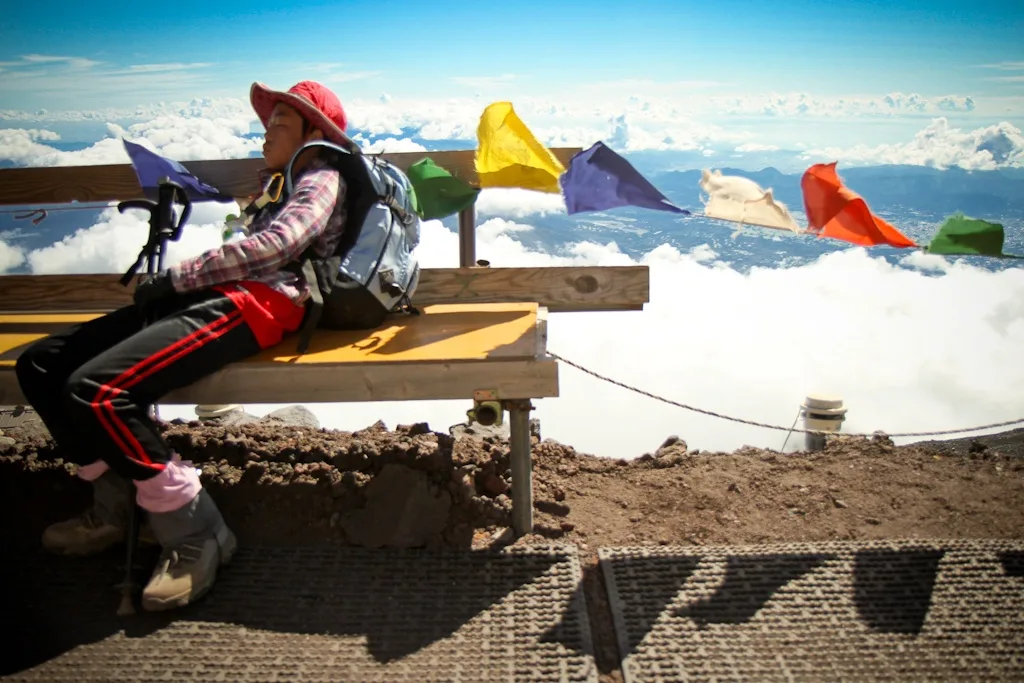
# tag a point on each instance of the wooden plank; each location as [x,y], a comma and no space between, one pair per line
[449,333]
[452,333]
[284,383]
[237,177]
[569,288]
[561,288]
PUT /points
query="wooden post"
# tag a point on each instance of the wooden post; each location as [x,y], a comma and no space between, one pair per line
[522,475]
[467,237]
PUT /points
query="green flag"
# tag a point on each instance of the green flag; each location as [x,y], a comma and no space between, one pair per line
[963,235]
[438,192]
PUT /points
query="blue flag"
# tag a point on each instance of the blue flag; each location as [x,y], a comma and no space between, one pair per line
[151,168]
[600,179]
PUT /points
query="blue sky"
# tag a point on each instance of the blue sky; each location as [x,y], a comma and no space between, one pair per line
[652,74]
[931,48]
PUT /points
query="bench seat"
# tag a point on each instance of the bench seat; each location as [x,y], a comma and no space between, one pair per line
[450,351]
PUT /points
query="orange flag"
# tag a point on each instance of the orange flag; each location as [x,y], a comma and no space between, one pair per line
[834,210]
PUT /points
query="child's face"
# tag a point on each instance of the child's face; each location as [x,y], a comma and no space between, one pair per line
[284,136]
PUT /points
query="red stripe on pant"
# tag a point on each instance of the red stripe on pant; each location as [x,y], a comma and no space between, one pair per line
[103,407]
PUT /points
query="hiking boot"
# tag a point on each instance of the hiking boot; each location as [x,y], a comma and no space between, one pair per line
[99,527]
[196,541]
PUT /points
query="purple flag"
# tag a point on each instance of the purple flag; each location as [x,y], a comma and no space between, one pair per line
[599,179]
[151,168]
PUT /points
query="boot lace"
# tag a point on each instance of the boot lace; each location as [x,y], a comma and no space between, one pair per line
[90,519]
[183,553]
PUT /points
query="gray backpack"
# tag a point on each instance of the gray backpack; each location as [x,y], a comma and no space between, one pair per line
[372,272]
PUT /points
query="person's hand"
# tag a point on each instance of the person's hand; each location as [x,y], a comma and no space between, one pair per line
[152,288]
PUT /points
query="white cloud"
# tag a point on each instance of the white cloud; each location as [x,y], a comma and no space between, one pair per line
[183,138]
[804,105]
[49,79]
[737,344]
[518,203]
[628,127]
[392,145]
[942,146]
[732,343]
[1005,66]
[666,119]
[926,261]
[206,107]
[190,138]
[73,62]
[22,145]
[630,136]
[750,147]
[162,68]
[113,244]
[11,256]
[954,103]
[912,102]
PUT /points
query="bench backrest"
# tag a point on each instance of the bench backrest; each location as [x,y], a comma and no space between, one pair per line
[237,177]
[596,288]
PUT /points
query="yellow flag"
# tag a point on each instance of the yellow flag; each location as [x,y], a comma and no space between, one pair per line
[508,155]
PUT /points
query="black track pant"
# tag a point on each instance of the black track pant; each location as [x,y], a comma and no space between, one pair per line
[92,384]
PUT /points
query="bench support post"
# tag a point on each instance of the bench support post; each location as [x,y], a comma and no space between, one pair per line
[522,476]
[467,237]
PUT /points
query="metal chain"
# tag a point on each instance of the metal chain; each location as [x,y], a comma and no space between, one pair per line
[735,419]
[768,426]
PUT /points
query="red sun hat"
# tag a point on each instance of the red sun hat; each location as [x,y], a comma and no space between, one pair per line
[313,101]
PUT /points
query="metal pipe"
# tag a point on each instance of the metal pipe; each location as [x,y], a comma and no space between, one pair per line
[522,475]
[467,237]
[822,413]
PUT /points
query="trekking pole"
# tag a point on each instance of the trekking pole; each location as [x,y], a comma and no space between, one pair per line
[162,228]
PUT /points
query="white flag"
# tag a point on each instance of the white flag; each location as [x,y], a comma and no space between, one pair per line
[741,200]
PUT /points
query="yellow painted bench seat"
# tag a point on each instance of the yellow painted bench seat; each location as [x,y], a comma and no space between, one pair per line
[448,351]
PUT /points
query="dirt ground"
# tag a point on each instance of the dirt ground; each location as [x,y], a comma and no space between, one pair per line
[279,484]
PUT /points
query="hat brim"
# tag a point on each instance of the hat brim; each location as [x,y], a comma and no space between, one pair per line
[263,100]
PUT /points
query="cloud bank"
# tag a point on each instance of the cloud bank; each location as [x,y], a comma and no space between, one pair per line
[931,345]
[941,145]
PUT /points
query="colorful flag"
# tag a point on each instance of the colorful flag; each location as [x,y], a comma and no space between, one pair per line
[961,235]
[438,192]
[151,168]
[600,179]
[508,155]
[834,210]
[741,200]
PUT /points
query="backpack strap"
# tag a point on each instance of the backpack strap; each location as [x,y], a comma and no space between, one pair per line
[273,194]
[321,273]
[304,266]
[316,304]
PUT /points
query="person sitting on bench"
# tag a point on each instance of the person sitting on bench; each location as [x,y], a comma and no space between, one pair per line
[94,383]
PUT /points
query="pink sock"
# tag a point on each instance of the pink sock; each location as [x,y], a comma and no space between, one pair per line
[170,490]
[93,470]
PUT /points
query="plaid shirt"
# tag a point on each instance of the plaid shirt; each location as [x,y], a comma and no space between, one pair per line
[314,215]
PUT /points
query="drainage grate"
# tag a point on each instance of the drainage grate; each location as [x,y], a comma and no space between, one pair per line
[313,614]
[877,610]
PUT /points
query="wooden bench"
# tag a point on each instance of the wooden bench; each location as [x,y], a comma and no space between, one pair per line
[482,335]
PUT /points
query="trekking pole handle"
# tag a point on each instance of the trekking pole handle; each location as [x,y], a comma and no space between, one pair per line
[186,211]
[168,192]
[144,204]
